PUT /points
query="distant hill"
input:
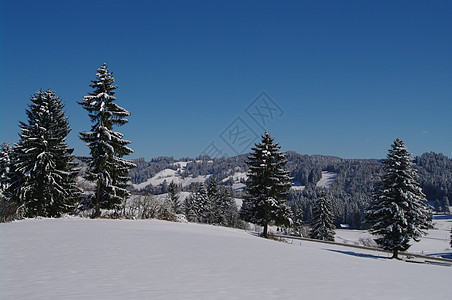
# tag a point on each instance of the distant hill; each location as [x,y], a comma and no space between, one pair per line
[349,181]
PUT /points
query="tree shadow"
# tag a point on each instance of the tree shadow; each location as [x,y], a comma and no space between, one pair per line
[358,254]
[442,217]
[442,255]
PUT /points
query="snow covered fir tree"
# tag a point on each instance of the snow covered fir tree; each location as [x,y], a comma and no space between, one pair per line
[173,198]
[297,225]
[106,166]
[323,219]
[267,186]
[42,171]
[223,207]
[397,212]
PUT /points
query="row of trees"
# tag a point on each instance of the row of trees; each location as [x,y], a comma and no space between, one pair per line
[211,204]
[38,174]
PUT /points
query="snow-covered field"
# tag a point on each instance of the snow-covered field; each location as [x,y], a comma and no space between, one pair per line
[149,259]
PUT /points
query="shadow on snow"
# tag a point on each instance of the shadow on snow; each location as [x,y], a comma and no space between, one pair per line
[358,254]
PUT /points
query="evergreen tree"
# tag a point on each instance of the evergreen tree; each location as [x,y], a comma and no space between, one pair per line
[297,226]
[223,210]
[214,199]
[189,209]
[7,206]
[43,171]
[267,187]
[211,204]
[437,206]
[173,198]
[106,166]
[397,212]
[323,219]
[202,204]
[445,205]
[5,161]
[227,209]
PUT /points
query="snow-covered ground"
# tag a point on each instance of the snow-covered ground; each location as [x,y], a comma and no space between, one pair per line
[148,259]
[169,175]
[182,165]
[238,178]
[327,179]
[325,182]
[297,186]
[435,243]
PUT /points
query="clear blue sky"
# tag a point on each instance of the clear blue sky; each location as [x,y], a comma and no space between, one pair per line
[348,77]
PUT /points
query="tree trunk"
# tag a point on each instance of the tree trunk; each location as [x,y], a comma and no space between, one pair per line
[96,213]
[395,254]
[39,208]
[265,234]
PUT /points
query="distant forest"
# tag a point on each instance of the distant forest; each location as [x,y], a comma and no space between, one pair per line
[350,192]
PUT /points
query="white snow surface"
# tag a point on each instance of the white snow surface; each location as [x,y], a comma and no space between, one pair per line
[327,179]
[78,258]
[297,186]
[170,175]
[182,165]
[237,176]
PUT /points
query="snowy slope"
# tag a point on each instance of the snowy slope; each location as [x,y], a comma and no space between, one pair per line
[149,259]
[237,177]
[169,175]
[326,180]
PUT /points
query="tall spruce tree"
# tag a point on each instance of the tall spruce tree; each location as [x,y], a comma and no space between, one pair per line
[106,166]
[43,171]
[397,212]
[323,219]
[267,186]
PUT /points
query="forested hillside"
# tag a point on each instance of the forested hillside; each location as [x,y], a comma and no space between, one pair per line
[350,191]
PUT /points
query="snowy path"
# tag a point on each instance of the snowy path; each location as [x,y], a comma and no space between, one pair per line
[123,259]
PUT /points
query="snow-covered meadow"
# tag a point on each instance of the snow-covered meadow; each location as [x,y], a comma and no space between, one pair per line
[78,258]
